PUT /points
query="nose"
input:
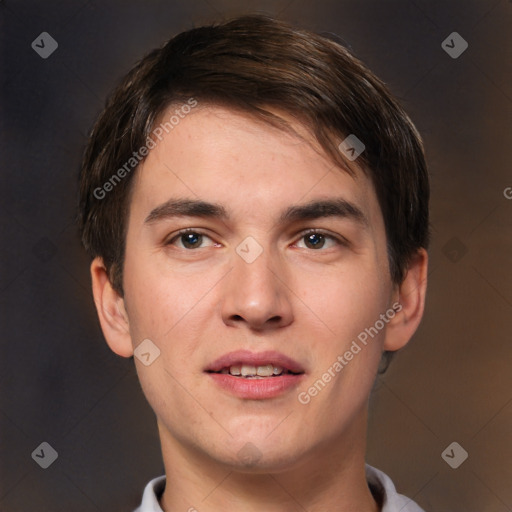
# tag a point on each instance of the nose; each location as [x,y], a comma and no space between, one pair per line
[256,295]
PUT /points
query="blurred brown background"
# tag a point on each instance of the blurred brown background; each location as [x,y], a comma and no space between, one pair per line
[59,382]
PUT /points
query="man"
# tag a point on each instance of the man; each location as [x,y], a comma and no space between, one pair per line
[256,206]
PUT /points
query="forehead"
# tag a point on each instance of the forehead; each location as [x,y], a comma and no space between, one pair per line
[246,165]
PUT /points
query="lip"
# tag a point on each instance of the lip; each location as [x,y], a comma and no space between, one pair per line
[256,389]
[240,357]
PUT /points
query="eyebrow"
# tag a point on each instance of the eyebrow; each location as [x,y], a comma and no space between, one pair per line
[336,207]
[186,208]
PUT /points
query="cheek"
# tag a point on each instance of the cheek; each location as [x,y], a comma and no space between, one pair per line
[345,301]
[166,303]
[344,310]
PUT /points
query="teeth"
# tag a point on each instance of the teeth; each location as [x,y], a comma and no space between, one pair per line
[235,370]
[265,371]
[246,370]
[278,370]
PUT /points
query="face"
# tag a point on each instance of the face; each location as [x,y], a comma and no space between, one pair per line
[283,265]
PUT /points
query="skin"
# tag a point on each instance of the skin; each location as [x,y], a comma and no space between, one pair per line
[310,303]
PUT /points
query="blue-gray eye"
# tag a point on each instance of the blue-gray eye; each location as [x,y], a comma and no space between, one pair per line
[191,240]
[316,240]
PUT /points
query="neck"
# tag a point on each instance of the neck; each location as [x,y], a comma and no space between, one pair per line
[330,477]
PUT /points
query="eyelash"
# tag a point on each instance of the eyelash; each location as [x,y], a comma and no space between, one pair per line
[339,240]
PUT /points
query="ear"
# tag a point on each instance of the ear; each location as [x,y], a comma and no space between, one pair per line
[410,297]
[111,311]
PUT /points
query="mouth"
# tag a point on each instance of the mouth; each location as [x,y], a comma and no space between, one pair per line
[248,371]
[247,364]
[257,376]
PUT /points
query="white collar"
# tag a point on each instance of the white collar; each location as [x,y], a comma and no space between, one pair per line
[377,480]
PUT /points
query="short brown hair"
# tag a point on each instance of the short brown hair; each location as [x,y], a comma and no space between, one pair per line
[253,64]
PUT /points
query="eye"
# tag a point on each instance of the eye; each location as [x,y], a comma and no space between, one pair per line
[316,239]
[189,238]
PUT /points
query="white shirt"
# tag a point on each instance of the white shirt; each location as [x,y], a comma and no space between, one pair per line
[378,481]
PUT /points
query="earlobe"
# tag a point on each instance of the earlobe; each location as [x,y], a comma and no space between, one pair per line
[411,298]
[111,311]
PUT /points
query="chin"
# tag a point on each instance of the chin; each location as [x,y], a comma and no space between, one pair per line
[259,454]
